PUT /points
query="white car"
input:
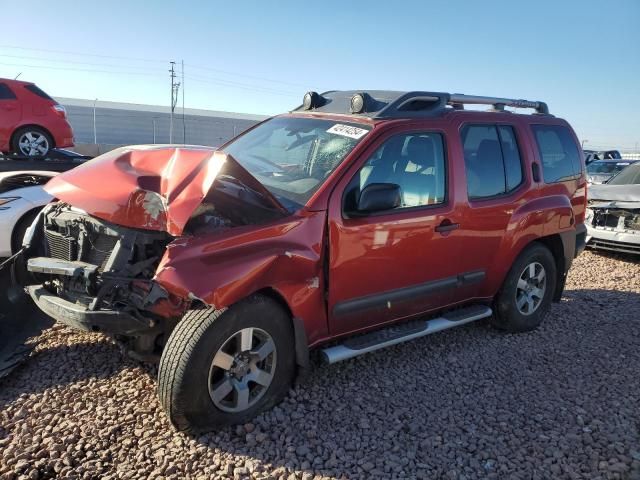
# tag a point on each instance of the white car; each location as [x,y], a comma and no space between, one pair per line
[21,199]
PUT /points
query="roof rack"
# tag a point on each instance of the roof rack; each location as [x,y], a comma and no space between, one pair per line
[392,104]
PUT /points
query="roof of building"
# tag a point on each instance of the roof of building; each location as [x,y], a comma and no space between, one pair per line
[80,102]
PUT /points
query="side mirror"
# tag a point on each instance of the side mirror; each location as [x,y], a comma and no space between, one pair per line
[377,197]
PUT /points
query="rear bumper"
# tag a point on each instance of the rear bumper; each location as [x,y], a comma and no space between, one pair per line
[80,317]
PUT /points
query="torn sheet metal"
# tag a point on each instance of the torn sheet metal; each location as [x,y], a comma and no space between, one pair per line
[148,186]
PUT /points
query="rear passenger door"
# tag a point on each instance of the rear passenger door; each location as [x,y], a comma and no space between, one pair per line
[496,183]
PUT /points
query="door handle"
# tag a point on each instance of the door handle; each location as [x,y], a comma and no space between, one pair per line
[535,171]
[447,226]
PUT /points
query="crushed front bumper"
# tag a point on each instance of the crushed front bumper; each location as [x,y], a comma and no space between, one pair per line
[602,238]
[80,317]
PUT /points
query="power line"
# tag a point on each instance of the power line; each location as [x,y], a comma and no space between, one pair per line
[254,77]
[138,59]
[80,63]
[71,69]
[245,86]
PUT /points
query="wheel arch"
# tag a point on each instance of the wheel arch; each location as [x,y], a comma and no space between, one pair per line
[297,324]
[14,230]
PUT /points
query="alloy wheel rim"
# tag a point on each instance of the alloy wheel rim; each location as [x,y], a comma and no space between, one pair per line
[242,370]
[33,144]
[531,288]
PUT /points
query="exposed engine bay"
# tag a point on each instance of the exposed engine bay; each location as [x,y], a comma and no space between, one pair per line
[605,216]
[104,271]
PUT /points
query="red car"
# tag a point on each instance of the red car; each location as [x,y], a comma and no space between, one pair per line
[355,222]
[31,122]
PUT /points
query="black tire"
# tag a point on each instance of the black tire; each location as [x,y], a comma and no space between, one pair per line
[15,147]
[183,376]
[21,228]
[507,316]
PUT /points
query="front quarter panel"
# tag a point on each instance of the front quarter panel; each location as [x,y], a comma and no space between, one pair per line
[223,268]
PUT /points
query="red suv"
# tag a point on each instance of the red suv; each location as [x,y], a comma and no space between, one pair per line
[31,122]
[357,221]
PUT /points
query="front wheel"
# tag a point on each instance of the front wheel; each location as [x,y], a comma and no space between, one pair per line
[222,368]
[525,297]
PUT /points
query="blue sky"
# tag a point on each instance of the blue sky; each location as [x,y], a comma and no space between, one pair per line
[581,57]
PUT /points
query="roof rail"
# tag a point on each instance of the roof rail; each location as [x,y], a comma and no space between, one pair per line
[393,104]
[456,99]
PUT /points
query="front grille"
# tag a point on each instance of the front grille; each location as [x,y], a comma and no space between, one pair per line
[100,248]
[615,246]
[96,249]
[60,246]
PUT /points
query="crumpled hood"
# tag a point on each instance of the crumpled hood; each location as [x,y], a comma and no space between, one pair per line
[619,193]
[149,186]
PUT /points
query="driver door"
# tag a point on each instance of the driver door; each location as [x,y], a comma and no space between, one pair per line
[389,265]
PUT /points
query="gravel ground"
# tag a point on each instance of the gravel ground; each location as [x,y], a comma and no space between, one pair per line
[561,402]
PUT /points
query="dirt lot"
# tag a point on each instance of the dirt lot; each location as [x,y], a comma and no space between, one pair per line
[561,402]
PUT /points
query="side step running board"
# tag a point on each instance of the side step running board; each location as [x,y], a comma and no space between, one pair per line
[370,342]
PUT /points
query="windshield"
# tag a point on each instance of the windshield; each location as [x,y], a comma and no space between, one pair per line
[292,156]
[606,168]
[628,176]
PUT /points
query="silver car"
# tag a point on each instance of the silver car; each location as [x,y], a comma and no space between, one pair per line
[613,213]
[600,171]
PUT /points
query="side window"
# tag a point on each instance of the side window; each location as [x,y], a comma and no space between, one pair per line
[511,155]
[415,162]
[6,93]
[37,91]
[558,151]
[492,160]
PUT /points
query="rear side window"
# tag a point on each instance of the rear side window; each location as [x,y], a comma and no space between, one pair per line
[6,93]
[560,156]
[39,92]
[492,160]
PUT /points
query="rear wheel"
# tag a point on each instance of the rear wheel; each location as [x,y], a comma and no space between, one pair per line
[31,142]
[224,367]
[525,297]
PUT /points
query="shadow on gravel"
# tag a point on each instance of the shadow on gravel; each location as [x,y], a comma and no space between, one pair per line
[66,364]
[619,256]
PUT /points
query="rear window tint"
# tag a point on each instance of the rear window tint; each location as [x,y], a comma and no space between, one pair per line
[560,156]
[39,92]
[6,93]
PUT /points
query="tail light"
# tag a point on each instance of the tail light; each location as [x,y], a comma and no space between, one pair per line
[60,110]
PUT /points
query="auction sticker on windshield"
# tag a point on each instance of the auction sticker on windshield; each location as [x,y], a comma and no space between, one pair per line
[348,131]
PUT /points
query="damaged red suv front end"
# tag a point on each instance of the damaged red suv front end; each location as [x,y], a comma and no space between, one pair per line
[135,237]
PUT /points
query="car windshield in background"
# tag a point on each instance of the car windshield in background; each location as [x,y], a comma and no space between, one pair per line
[292,156]
[606,168]
[628,176]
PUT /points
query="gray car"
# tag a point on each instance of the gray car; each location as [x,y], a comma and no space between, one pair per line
[613,213]
[600,171]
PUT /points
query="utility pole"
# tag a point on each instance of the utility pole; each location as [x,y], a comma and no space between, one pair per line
[95,132]
[175,86]
[184,127]
[583,142]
